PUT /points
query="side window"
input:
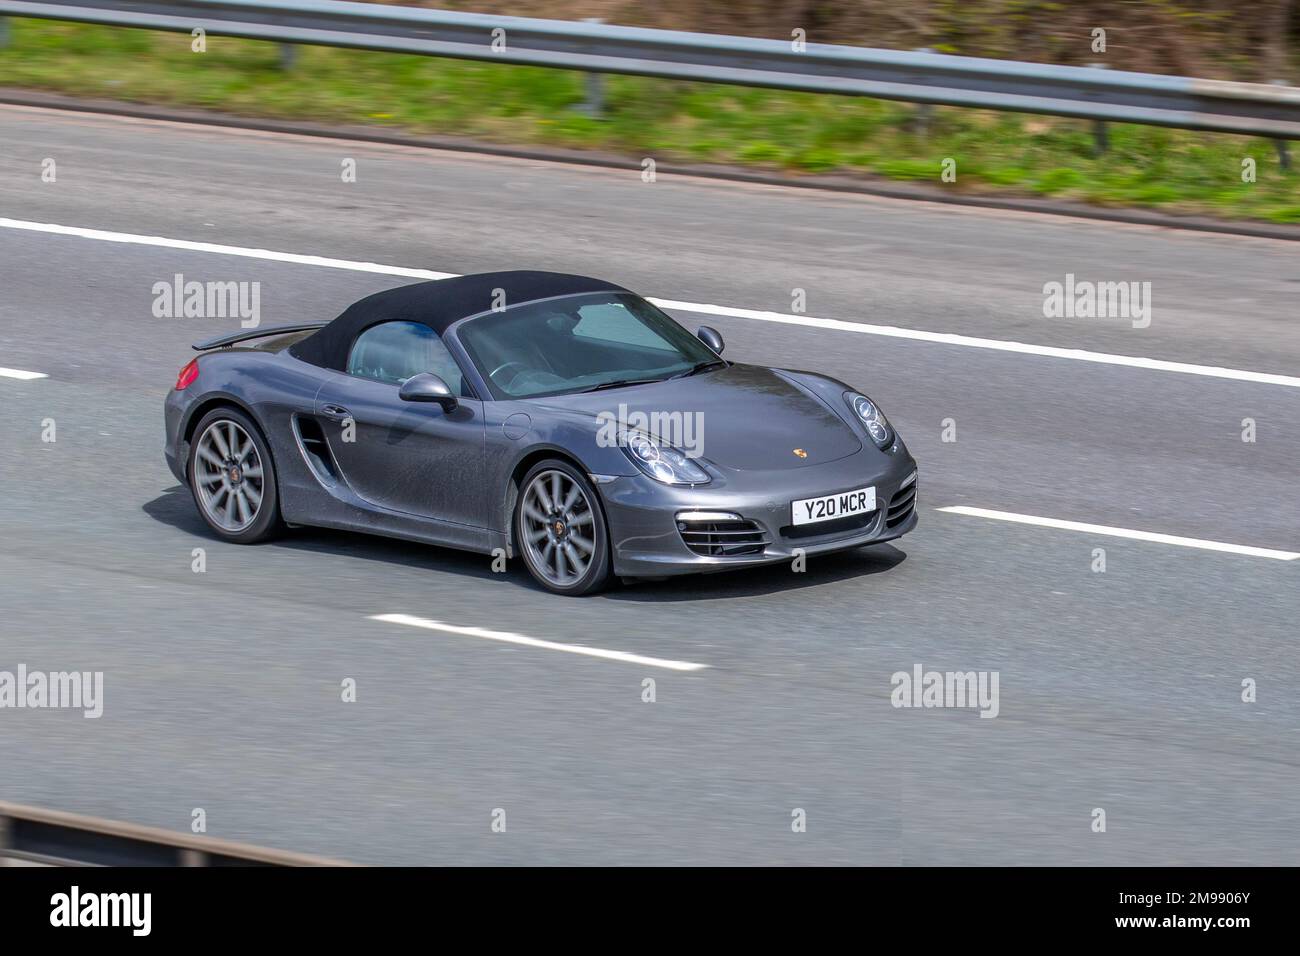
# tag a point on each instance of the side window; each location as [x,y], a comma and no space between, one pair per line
[612,322]
[394,351]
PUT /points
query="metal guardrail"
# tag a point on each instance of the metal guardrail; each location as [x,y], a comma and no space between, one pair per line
[928,78]
[30,836]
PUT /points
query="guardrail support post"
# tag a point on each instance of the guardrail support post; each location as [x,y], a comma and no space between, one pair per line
[1100,137]
[1100,132]
[924,111]
[593,103]
[288,55]
[921,121]
[1283,150]
[4,32]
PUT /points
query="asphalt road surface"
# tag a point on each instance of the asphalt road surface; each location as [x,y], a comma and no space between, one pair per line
[1118,689]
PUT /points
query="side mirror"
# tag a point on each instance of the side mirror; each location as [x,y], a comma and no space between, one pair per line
[711,338]
[427,387]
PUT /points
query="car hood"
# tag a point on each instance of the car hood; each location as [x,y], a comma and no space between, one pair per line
[743,417]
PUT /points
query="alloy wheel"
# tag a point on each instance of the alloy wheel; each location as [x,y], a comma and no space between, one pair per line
[558,525]
[228,475]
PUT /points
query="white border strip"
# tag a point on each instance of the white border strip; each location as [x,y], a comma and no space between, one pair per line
[1058,524]
[525,641]
[941,338]
[20,374]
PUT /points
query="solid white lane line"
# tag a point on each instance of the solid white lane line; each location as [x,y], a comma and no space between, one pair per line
[19,373]
[526,641]
[949,338]
[212,247]
[1152,536]
[808,321]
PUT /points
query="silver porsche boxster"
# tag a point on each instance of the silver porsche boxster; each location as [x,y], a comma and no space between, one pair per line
[552,417]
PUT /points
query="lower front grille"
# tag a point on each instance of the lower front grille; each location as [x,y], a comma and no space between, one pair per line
[835,526]
[901,506]
[726,538]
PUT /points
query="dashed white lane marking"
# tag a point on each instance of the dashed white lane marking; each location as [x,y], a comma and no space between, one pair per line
[21,374]
[526,641]
[1123,533]
[808,321]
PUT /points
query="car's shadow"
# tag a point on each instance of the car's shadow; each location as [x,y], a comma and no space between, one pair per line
[175,507]
[767,579]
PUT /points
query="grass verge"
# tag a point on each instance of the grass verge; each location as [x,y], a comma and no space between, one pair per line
[1005,153]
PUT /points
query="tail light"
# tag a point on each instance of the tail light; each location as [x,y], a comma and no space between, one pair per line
[188,374]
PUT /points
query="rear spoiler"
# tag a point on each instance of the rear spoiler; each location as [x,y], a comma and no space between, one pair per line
[246,334]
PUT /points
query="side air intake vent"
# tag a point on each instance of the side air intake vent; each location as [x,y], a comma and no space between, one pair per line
[311,439]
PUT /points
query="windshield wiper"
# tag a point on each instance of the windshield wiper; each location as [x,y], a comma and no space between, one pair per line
[620,383]
[701,367]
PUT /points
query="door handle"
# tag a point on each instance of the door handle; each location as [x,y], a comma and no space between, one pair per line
[336,412]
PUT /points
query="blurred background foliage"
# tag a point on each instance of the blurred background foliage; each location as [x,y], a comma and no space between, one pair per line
[1222,39]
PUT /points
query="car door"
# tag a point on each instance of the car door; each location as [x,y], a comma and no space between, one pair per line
[410,457]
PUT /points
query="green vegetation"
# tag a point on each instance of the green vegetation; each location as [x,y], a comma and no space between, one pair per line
[791,132]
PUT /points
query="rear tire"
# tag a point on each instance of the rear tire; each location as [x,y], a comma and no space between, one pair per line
[560,529]
[232,478]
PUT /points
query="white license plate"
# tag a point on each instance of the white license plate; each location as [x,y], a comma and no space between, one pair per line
[829,507]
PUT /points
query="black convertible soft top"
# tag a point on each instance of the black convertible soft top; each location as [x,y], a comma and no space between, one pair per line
[437,303]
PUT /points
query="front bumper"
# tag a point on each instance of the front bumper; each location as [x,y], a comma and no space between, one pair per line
[647,542]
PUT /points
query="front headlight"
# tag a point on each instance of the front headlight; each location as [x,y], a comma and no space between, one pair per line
[871,417]
[661,462]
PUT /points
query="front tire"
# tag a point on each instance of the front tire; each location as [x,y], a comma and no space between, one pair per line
[560,529]
[232,477]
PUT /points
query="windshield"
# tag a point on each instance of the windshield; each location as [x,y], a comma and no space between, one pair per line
[577,343]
